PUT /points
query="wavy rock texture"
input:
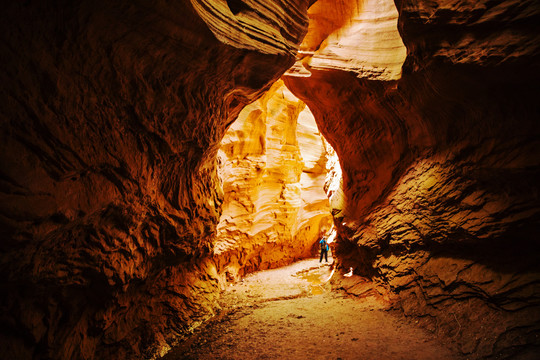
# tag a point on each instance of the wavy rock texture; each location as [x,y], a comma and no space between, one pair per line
[267,27]
[273,166]
[441,171]
[112,115]
[353,36]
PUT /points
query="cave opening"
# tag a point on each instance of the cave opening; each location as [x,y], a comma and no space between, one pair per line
[279,176]
[261,153]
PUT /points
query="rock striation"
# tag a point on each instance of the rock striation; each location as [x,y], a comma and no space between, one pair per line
[112,115]
[273,166]
[269,28]
[441,170]
[354,36]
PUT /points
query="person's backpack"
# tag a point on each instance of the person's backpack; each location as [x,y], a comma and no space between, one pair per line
[324,245]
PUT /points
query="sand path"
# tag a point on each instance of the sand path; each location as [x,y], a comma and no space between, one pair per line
[285,314]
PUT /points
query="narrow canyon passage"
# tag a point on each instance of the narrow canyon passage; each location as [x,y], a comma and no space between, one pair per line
[293,313]
[154,152]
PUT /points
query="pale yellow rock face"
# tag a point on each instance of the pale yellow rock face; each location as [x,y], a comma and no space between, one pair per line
[273,166]
[334,182]
[355,36]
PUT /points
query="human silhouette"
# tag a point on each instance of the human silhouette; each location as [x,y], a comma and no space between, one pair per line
[324,249]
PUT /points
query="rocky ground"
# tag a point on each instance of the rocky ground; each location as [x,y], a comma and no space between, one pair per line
[292,313]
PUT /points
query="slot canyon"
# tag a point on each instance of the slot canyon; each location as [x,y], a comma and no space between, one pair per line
[155,153]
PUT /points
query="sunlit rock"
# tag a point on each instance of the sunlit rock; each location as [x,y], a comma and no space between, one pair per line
[354,36]
[273,166]
[333,185]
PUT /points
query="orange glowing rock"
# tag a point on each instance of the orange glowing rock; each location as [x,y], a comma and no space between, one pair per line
[273,166]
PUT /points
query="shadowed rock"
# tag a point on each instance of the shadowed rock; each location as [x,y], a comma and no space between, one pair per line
[112,114]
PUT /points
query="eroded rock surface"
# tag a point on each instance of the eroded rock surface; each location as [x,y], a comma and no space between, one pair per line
[361,37]
[273,166]
[112,114]
[441,170]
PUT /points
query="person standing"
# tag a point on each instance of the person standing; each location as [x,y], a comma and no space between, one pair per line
[324,249]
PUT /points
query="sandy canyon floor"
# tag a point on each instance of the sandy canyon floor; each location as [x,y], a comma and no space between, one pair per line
[287,313]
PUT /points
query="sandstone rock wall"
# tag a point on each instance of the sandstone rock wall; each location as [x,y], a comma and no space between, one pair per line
[441,170]
[273,166]
[112,114]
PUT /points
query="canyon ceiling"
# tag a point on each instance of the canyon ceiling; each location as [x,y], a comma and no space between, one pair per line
[113,115]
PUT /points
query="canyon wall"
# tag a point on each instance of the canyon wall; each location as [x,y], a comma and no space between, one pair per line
[112,115]
[273,166]
[440,163]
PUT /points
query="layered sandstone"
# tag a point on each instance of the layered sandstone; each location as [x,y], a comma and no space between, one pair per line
[440,170]
[112,114]
[273,166]
[354,36]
